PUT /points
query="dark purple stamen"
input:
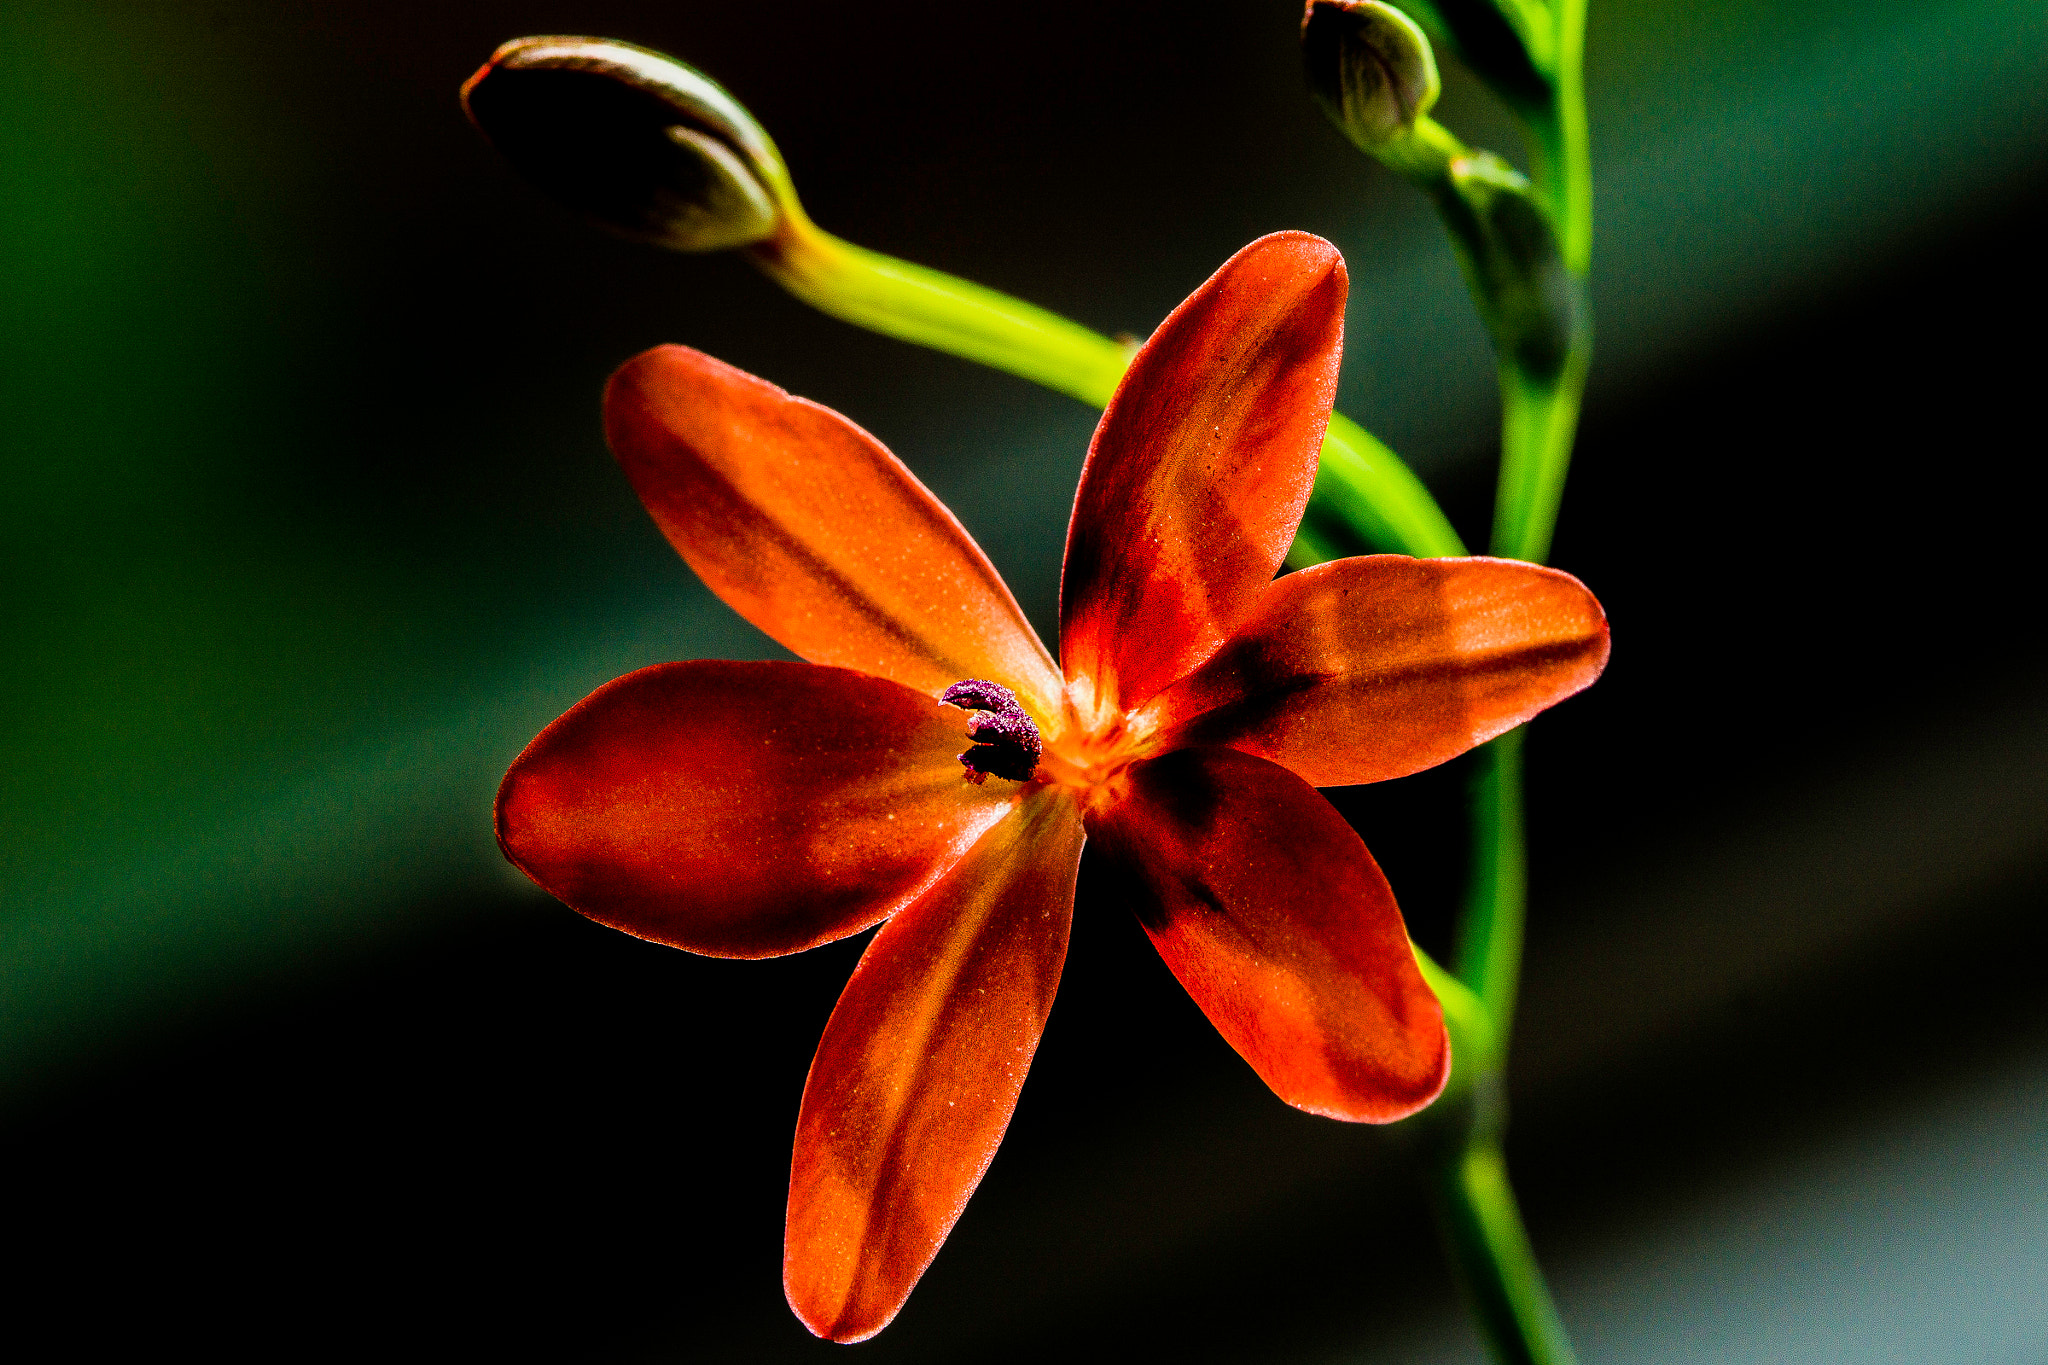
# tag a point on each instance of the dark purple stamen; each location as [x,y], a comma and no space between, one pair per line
[1006,742]
[976,694]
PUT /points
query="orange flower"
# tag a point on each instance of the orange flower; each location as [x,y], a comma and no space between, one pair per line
[752,809]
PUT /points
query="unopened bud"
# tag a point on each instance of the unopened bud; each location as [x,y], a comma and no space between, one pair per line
[1370,68]
[636,141]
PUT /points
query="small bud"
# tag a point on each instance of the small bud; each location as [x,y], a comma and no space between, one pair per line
[1370,68]
[636,141]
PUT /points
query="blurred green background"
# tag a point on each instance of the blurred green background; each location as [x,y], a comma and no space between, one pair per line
[308,526]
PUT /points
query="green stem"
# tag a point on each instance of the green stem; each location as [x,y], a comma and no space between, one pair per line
[1489,951]
[1361,485]
[1560,147]
[1539,419]
[1369,488]
[1497,1267]
[929,308]
[1539,422]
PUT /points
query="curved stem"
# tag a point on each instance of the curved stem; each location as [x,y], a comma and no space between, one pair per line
[1497,1267]
[1361,485]
[1373,491]
[930,308]
[1539,421]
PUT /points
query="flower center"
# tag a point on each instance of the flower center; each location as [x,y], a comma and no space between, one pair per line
[1006,741]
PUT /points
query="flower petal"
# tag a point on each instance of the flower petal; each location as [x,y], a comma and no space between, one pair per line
[1272,914]
[1365,669]
[809,528]
[919,1069]
[1201,467]
[744,809]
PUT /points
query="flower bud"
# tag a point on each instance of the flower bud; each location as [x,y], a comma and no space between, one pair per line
[1370,68]
[636,141]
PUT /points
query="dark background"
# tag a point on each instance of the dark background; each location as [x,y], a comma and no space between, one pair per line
[308,526]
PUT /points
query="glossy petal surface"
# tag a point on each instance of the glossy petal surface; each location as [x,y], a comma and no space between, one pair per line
[809,528]
[744,809]
[1365,669]
[1200,468]
[918,1072]
[1278,922]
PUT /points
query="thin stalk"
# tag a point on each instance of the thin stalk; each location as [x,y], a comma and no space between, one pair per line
[1488,1244]
[1360,483]
[1539,422]
[1560,147]
[1489,951]
[930,308]
[1497,1267]
[1372,490]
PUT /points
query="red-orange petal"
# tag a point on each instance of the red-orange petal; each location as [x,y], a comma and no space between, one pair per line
[810,528]
[1200,468]
[1273,915]
[745,809]
[919,1069]
[1365,669]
